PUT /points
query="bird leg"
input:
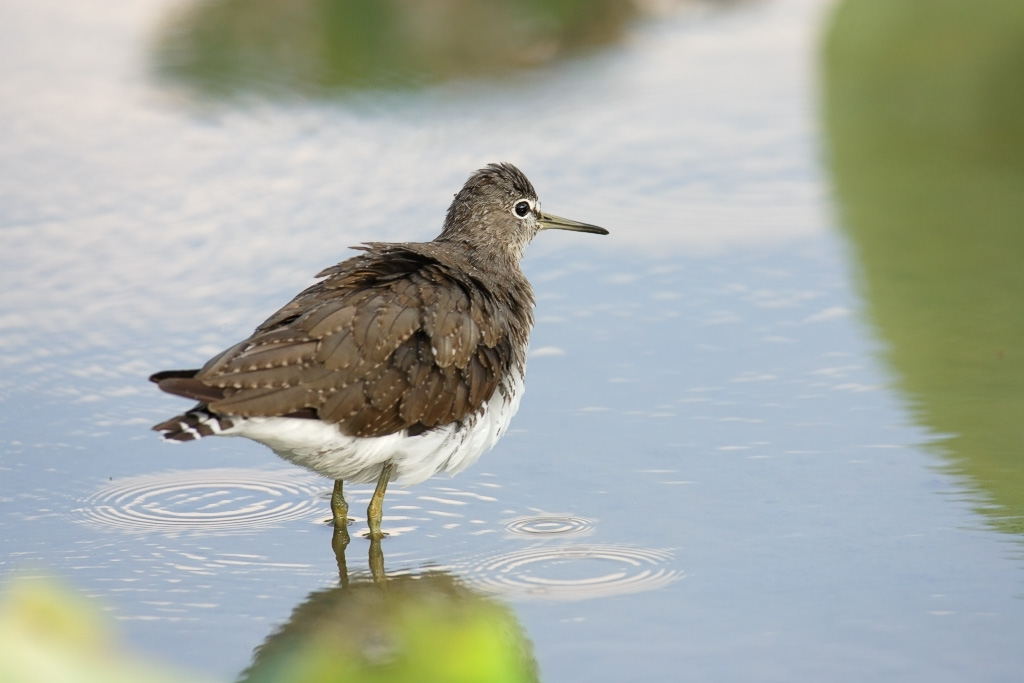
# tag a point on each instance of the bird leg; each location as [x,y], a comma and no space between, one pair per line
[339,507]
[375,511]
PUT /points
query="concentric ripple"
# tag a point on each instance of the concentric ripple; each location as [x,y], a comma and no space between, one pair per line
[549,525]
[573,572]
[204,501]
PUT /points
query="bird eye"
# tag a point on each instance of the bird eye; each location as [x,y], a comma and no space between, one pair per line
[522,208]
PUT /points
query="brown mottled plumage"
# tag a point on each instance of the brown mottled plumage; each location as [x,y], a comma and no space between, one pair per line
[401,337]
[404,340]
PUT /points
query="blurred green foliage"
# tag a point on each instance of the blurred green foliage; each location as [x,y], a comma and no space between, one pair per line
[49,634]
[327,47]
[426,628]
[407,629]
[924,113]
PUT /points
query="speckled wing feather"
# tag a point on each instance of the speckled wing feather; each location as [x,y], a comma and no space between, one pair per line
[392,339]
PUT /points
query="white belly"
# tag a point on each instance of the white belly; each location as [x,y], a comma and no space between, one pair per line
[321,447]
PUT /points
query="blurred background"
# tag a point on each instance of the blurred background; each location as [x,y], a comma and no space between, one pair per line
[774,426]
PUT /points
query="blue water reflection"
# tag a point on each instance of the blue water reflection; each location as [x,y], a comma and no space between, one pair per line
[705,411]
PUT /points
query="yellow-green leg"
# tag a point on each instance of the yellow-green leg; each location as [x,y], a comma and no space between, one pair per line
[375,511]
[339,507]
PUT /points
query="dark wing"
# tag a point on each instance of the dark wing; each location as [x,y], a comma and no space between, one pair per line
[389,340]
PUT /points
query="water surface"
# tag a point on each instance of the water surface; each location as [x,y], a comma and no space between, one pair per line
[734,459]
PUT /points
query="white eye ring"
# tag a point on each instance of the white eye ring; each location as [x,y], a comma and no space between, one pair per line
[522,208]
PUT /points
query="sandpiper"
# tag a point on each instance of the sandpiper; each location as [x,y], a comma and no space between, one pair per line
[401,362]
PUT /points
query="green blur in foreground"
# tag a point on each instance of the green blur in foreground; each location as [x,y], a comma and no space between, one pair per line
[408,629]
[924,111]
[427,628]
[49,634]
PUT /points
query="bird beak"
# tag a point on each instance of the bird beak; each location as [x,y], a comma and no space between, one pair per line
[550,222]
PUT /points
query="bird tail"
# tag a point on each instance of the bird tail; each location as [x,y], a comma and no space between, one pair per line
[195,424]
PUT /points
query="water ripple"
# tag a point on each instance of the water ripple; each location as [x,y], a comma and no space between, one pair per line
[549,525]
[573,572]
[203,500]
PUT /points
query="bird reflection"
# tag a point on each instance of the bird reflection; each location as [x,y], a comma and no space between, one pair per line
[420,625]
[339,543]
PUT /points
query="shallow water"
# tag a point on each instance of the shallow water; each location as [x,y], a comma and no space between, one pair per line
[718,471]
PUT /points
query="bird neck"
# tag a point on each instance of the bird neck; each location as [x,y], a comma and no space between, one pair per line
[481,246]
[485,256]
[495,269]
